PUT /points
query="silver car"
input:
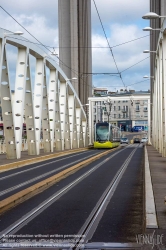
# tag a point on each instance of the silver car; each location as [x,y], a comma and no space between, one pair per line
[144,139]
[124,140]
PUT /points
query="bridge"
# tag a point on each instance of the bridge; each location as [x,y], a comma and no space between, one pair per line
[72,196]
[51,108]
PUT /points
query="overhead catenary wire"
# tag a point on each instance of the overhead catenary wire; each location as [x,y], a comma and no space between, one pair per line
[93,73]
[82,47]
[74,71]
[110,48]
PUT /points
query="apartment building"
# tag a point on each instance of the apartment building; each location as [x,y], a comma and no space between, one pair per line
[124,109]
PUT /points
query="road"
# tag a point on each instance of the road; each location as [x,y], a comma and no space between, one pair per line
[102,202]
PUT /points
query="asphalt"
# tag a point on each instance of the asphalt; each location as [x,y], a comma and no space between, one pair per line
[10,216]
[124,217]
[68,214]
[29,175]
[157,166]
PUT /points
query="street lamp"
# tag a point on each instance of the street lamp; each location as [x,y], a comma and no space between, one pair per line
[150,29]
[74,78]
[148,76]
[110,107]
[148,51]
[152,15]
[19,33]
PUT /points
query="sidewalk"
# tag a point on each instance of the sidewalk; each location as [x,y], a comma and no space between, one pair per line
[157,165]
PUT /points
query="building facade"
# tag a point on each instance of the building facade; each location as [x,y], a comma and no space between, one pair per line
[124,110]
[75,44]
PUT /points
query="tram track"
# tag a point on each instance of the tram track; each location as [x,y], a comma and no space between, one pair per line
[6,175]
[88,227]
[91,223]
[41,176]
[44,183]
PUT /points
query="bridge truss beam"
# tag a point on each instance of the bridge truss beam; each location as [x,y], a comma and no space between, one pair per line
[50,110]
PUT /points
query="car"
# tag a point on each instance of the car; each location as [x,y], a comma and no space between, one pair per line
[144,139]
[124,140]
[137,140]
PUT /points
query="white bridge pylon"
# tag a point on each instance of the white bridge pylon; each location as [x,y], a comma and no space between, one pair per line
[52,110]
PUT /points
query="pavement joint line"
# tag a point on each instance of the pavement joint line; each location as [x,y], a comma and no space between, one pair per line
[150,210]
[26,162]
[27,193]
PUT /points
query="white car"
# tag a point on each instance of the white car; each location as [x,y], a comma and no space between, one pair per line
[144,139]
[124,140]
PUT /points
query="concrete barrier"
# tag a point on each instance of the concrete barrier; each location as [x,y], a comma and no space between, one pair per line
[150,210]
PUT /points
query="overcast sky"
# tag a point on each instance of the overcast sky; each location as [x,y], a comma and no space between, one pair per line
[122,20]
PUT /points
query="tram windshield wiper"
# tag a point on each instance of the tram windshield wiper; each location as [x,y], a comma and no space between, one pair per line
[98,137]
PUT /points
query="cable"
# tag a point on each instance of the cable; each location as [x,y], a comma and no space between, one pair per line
[110,47]
[126,85]
[38,40]
[135,64]
[108,41]
[82,47]
[106,36]
[76,72]
[91,47]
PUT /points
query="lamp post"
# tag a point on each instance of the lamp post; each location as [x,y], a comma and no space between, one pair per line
[152,15]
[74,78]
[19,33]
[149,51]
[148,77]
[109,109]
[151,29]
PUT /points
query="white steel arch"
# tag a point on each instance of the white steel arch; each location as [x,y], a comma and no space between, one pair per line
[53,109]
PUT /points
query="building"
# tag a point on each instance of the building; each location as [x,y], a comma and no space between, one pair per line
[100,91]
[75,44]
[124,110]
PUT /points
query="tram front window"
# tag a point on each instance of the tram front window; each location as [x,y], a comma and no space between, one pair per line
[102,132]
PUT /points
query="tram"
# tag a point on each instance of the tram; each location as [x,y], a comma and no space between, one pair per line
[106,135]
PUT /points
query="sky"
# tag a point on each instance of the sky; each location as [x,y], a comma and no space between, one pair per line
[122,21]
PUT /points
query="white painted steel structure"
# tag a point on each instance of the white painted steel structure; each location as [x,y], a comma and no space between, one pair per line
[53,109]
[158,104]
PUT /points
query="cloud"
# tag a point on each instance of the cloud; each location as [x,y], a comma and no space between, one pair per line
[119,11]
[47,9]
[122,20]
[125,55]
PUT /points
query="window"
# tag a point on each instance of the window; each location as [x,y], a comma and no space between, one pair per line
[145,101]
[114,115]
[114,108]
[118,107]
[118,115]
[124,115]
[137,107]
